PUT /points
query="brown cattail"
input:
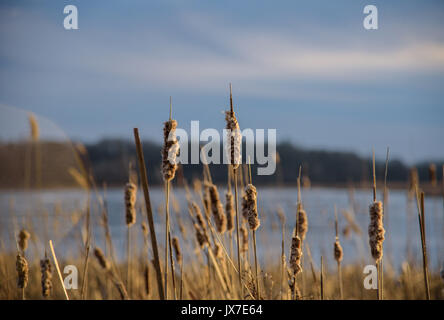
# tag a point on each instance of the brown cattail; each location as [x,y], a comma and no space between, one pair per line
[413,179]
[22,271]
[177,250]
[34,125]
[46,269]
[200,220]
[130,203]
[234,139]
[302,222]
[296,253]
[102,259]
[23,239]
[376,230]
[170,150]
[337,251]
[432,175]
[229,210]
[244,207]
[200,236]
[217,209]
[251,207]
[217,250]
[244,240]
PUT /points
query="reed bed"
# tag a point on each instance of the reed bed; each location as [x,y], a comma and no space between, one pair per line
[210,248]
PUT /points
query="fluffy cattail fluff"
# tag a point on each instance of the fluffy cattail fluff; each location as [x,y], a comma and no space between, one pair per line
[296,254]
[234,139]
[170,150]
[229,210]
[244,207]
[302,222]
[46,269]
[35,132]
[177,250]
[337,251]
[217,209]
[101,259]
[217,250]
[200,236]
[22,271]
[23,238]
[251,207]
[200,219]
[432,174]
[376,230]
[130,203]
[244,239]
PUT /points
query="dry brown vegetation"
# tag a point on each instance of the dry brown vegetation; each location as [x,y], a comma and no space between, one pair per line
[213,255]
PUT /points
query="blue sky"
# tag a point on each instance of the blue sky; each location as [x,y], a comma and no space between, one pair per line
[307,68]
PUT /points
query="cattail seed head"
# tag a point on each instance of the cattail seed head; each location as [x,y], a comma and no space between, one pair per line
[22,271]
[200,236]
[376,230]
[432,175]
[35,132]
[177,250]
[23,238]
[170,150]
[46,269]
[217,209]
[244,207]
[130,203]
[337,251]
[217,250]
[244,239]
[296,254]
[102,259]
[251,207]
[229,210]
[234,139]
[302,222]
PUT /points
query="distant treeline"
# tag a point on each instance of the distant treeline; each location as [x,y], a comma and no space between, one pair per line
[109,162]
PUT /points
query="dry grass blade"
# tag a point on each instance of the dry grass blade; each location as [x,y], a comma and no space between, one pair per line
[144,179]
[58,269]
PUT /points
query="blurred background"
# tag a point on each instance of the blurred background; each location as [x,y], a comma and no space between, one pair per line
[69,100]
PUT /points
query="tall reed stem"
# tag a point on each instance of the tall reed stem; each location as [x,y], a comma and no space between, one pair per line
[255,265]
[149,211]
[236,200]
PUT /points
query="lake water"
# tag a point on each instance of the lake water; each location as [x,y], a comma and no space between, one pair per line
[58,215]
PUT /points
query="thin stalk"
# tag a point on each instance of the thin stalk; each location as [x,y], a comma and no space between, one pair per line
[282,258]
[167,238]
[128,258]
[58,269]
[239,270]
[341,292]
[149,211]
[255,264]
[425,267]
[322,278]
[378,290]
